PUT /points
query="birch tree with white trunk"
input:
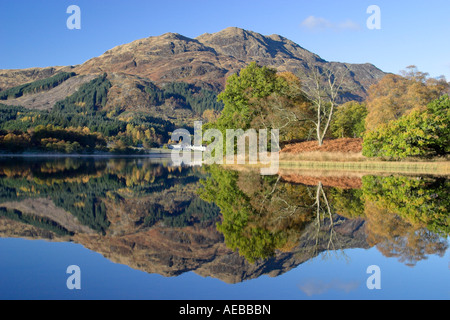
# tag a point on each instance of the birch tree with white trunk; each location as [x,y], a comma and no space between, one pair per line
[323,86]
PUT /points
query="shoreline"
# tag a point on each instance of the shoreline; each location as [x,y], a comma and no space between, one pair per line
[87,156]
[152,154]
[375,166]
[439,168]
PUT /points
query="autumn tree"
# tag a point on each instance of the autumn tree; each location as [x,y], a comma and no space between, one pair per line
[210,115]
[287,110]
[349,120]
[260,97]
[417,134]
[323,86]
[395,95]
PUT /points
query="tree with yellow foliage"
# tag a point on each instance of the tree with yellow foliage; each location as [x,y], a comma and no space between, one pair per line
[396,95]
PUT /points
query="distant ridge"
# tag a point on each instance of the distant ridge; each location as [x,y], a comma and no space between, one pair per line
[205,61]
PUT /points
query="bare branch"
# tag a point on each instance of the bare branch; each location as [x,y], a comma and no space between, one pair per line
[323,87]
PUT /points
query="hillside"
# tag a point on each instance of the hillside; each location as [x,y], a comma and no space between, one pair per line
[14,77]
[210,58]
[169,80]
[206,60]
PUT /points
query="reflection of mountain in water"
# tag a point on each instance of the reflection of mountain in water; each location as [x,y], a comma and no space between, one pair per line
[405,217]
[162,219]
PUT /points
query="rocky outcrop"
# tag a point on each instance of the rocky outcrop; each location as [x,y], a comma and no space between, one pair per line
[210,58]
[248,46]
[166,58]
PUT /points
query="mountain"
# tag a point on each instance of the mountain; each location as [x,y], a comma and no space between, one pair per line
[205,61]
[210,58]
[159,82]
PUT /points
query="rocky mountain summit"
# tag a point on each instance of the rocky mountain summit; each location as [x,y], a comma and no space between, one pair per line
[205,61]
[210,58]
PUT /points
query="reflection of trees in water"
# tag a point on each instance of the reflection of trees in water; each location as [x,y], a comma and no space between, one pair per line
[262,215]
[406,217]
[396,237]
[420,200]
[325,224]
[87,188]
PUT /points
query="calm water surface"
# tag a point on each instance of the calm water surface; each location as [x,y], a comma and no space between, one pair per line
[144,229]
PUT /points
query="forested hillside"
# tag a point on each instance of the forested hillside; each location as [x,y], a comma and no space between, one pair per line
[76,124]
[131,98]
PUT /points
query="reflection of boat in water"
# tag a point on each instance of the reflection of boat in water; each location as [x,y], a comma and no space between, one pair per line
[186,147]
[195,161]
[192,163]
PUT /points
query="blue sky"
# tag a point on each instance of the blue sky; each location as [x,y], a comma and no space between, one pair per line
[34,33]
